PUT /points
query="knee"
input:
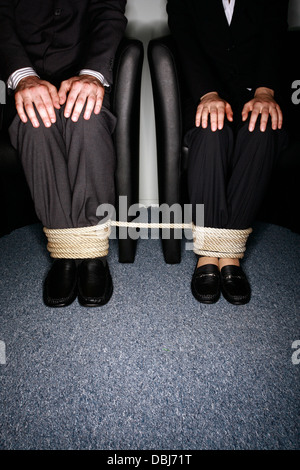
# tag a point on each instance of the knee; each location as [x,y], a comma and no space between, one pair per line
[27,128]
[104,120]
[201,135]
[28,134]
[257,133]
[262,145]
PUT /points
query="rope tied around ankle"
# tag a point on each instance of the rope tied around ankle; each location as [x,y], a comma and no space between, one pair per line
[78,243]
[93,241]
[220,242]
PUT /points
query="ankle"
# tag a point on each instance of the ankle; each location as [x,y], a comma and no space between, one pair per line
[228,262]
[207,260]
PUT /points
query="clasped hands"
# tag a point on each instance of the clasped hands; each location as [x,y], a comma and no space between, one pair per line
[33,94]
[263,103]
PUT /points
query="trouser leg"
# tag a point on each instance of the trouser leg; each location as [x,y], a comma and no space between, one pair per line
[207,172]
[229,173]
[91,165]
[43,156]
[69,167]
[251,167]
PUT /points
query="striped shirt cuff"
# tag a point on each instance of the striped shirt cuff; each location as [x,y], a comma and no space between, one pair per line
[94,74]
[15,77]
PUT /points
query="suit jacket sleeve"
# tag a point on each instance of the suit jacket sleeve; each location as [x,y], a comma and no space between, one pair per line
[103,25]
[199,77]
[12,53]
[107,24]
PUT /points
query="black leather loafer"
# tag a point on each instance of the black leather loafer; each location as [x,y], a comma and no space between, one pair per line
[206,284]
[234,285]
[60,286]
[95,285]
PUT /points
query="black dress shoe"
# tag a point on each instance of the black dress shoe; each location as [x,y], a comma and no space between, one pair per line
[95,285]
[60,286]
[234,285]
[206,284]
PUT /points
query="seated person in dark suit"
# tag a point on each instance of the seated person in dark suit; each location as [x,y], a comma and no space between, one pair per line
[58,63]
[230,56]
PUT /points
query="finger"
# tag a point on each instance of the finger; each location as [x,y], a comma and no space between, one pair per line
[63,90]
[48,105]
[198,116]
[78,106]
[98,104]
[204,117]
[229,112]
[28,106]
[274,117]
[71,100]
[54,97]
[254,115]
[280,117]
[213,118]
[264,118]
[90,106]
[20,109]
[42,110]
[221,116]
[245,111]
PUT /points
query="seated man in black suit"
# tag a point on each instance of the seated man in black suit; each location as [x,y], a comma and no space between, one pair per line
[230,56]
[58,64]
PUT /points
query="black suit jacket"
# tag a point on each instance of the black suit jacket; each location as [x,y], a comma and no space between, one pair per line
[223,58]
[59,37]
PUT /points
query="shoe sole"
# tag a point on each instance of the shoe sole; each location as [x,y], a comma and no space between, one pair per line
[236,302]
[61,304]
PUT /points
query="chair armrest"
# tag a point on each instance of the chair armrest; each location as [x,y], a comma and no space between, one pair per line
[126,107]
[126,95]
[167,106]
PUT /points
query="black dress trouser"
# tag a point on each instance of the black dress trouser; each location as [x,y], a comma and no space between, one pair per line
[229,170]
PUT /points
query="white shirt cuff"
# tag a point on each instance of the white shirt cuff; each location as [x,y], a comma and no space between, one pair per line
[15,77]
[94,74]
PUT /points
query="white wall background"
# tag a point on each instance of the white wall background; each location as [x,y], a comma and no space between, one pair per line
[147,19]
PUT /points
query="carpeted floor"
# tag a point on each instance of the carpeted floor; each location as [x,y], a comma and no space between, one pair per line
[153,369]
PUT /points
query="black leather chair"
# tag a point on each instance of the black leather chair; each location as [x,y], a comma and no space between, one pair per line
[281,205]
[16,204]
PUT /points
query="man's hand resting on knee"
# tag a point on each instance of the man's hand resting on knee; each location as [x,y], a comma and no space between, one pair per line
[32,91]
[33,94]
[212,105]
[263,104]
[79,91]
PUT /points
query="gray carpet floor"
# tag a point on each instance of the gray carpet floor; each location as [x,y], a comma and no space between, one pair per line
[153,369]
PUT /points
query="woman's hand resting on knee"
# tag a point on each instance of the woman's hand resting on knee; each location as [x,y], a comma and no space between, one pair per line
[211,105]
